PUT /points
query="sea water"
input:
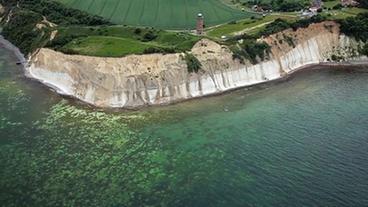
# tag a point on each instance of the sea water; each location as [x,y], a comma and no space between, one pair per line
[300,142]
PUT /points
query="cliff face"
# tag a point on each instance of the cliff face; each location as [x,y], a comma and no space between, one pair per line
[139,80]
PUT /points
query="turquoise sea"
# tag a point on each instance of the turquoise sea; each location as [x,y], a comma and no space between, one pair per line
[299,142]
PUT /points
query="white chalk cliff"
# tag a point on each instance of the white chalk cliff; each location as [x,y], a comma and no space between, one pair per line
[139,80]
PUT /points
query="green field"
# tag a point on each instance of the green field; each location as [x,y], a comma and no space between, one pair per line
[118,41]
[106,46]
[166,14]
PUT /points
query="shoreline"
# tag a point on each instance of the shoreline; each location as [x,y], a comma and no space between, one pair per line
[9,46]
[318,66]
[315,66]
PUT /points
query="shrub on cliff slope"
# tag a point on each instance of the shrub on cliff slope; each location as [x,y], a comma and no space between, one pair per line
[21,30]
[251,50]
[356,26]
[276,26]
[193,63]
[364,50]
[255,51]
[304,23]
[280,24]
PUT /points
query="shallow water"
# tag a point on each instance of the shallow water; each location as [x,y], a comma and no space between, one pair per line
[302,142]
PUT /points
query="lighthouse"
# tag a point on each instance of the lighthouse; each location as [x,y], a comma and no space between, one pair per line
[200,24]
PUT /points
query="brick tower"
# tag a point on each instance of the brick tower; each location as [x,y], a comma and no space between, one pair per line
[200,24]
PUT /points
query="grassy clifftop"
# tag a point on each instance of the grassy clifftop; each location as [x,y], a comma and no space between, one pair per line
[117,41]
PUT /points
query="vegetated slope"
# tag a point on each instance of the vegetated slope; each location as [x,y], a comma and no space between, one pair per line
[167,14]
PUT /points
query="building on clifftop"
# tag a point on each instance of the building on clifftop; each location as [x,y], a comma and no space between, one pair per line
[200,24]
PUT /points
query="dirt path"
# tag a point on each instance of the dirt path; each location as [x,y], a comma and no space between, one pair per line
[252,28]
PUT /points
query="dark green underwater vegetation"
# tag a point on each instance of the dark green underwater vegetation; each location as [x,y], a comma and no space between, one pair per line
[76,157]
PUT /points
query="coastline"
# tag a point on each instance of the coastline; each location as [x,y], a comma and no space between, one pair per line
[357,63]
[25,63]
[318,66]
[9,46]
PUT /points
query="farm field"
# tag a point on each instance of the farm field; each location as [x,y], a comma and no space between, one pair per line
[165,14]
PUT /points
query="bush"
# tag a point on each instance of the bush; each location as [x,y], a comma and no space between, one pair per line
[193,63]
[276,26]
[138,31]
[62,40]
[289,40]
[356,27]
[149,36]
[290,6]
[280,25]
[303,23]
[337,7]
[364,50]
[163,50]
[251,50]
[363,3]
[336,58]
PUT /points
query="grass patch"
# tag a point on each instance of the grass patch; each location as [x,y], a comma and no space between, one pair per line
[104,46]
[117,41]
